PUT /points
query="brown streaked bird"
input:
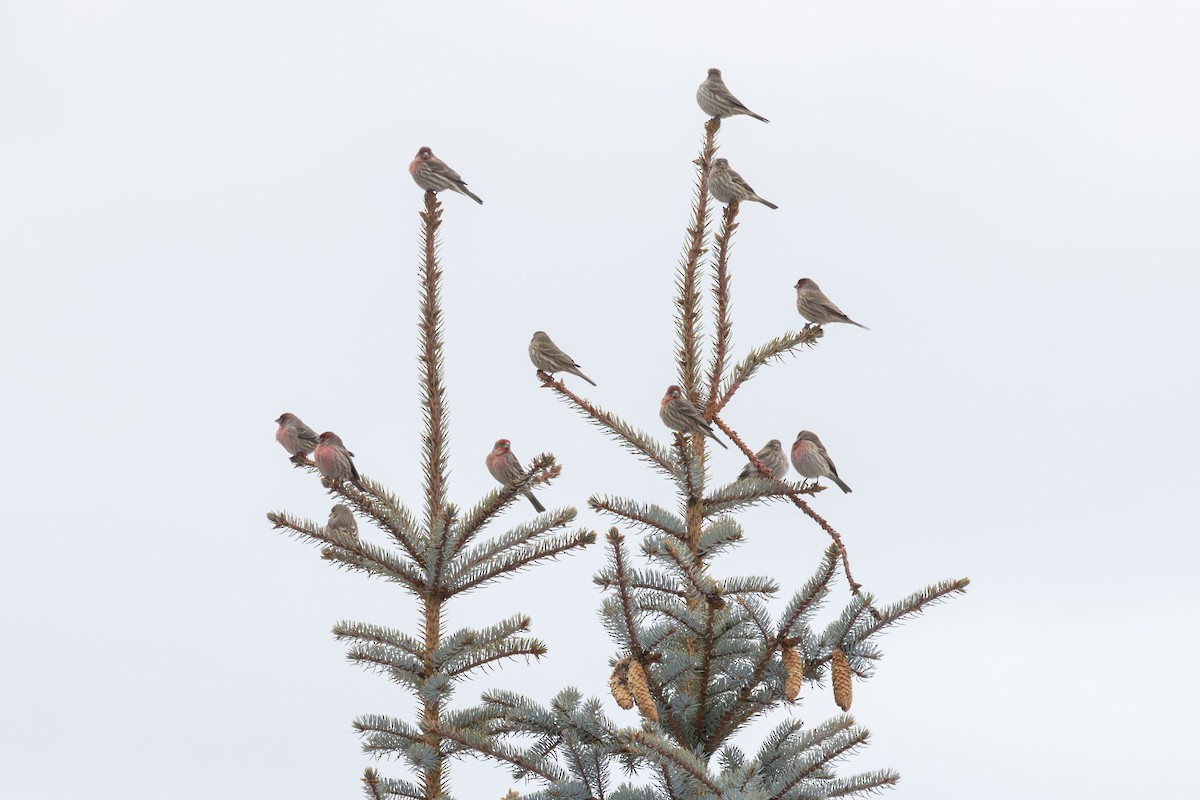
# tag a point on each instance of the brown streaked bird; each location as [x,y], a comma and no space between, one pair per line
[678,414]
[726,185]
[341,520]
[772,457]
[716,100]
[548,358]
[506,468]
[334,460]
[811,459]
[296,437]
[815,307]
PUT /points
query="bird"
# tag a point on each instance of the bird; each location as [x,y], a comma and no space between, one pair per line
[811,460]
[548,358]
[726,185]
[334,460]
[678,414]
[433,175]
[296,437]
[341,520]
[815,307]
[772,457]
[716,100]
[506,468]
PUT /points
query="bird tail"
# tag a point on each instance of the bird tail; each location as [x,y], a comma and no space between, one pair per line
[538,506]
[585,377]
[758,117]
[462,188]
[859,324]
[713,436]
[841,484]
[766,203]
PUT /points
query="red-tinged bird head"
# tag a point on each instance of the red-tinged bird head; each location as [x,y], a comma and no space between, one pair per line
[804,282]
[329,437]
[502,446]
[424,154]
[673,393]
[286,418]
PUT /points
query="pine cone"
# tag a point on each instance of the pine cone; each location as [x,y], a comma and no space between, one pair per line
[793,671]
[843,689]
[641,691]
[618,682]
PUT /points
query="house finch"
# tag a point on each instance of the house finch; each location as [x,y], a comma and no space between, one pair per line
[727,186]
[814,306]
[772,457]
[433,175]
[716,100]
[333,460]
[680,415]
[296,437]
[812,461]
[341,520]
[505,468]
[546,356]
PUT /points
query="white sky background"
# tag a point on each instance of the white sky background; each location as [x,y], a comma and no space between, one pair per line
[206,221]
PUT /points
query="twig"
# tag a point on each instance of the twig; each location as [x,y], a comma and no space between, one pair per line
[724,324]
[688,300]
[855,586]
[433,390]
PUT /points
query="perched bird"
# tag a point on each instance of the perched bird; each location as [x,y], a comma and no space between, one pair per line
[433,175]
[546,356]
[296,437]
[727,186]
[678,414]
[716,100]
[341,520]
[505,468]
[811,460]
[333,460]
[814,306]
[772,457]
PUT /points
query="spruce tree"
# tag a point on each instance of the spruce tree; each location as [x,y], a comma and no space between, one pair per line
[699,654]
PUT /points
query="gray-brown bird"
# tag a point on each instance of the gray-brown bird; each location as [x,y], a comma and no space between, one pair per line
[341,520]
[433,175]
[811,459]
[726,185]
[334,460]
[815,307]
[548,358]
[772,457]
[296,437]
[506,468]
[716,100]
[678,414]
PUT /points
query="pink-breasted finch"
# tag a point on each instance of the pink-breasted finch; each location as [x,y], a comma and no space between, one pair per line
[548,358]
[433,175]
[334,460]
[678,414]
[811,459]
[814,306]
[772,457]
[506,468]
[716,100]
[296,437]
[726,185]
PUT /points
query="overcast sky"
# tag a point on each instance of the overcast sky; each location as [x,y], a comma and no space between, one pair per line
[205,220]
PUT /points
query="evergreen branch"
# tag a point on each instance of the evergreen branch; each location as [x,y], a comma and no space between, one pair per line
[760,356]
[750,491]
[377,634]
[691,468]
[433,390]
[636,441]
[706,656]
[718,536]
[542,469]
[484,746]
[748,584]
[517,559]
[645,579]
[648,515]
[478,557]
[376,787]
[655,748]
[866,783]
[691,572]
[351,551]
[402,667]
[498,651]
[401,732]
[687,302]
[913,604]
[721,295]
[855,586]
[806,601]
[809,763]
